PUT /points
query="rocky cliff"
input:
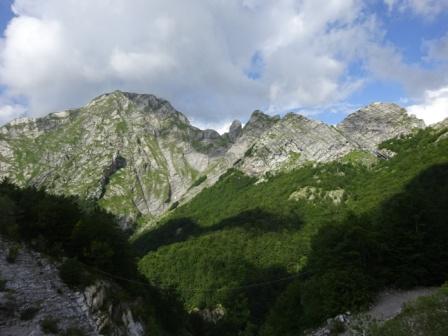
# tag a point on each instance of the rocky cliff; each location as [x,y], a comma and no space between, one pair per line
[136,155]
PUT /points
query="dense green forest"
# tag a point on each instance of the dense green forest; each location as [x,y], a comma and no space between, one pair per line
[283,253]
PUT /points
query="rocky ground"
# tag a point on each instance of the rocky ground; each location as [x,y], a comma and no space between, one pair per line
[34,301]
[34,293]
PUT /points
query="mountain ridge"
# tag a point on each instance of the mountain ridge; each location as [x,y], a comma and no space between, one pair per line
[137,156]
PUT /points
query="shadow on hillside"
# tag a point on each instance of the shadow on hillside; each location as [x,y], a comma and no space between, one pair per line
[402,244]
[245,291]
[180,229]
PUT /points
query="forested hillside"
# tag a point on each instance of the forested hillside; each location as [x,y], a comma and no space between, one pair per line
[88,246]
[282,253]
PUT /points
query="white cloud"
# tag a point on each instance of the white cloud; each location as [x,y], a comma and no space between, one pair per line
[434,108]
[386,63]
[437,49]
[59,54]
[220,127]
[426,8]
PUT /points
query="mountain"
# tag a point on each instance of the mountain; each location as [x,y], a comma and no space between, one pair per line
[137,156]
[267,230]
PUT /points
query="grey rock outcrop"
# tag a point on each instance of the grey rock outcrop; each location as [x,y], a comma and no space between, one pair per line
[441,125]
[376,123]
[34,292]
[292,141]
[235,130]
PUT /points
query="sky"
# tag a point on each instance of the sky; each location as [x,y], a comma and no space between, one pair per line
[219,60]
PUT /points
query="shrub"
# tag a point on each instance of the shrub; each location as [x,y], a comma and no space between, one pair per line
[200,179]
[73,274]
[49,325]
[174,205]
[29,313]
[74,331]
[12,254]
[337,327]
[2,285]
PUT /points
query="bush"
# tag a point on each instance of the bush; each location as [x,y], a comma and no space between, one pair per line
[74,331]
[12,254]
[49,325]
[29,313]
[2,285]
[174,206]
[73,274]
[201,179]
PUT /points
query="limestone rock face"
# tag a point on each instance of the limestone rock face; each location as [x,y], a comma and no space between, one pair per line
[376,123]
[133,153]
[292,141]
[257,125]
[136,155]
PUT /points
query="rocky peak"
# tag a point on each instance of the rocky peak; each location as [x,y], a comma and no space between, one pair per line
[259,122]
[376,123]
[291,141]
[235,130]
[137,103]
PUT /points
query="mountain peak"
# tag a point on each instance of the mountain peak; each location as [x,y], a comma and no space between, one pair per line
[144,99]
[259,121]
[378,122]
[137,104]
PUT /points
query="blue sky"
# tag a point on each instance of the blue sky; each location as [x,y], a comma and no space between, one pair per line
[5,13]
[218,61]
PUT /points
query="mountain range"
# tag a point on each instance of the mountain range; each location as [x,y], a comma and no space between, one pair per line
[138,157]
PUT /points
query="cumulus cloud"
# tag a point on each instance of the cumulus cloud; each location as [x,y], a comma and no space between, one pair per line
[214,60]
[59,54]
[434,108]
[386,63]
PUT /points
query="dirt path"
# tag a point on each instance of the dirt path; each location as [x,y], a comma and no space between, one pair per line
[390,303]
